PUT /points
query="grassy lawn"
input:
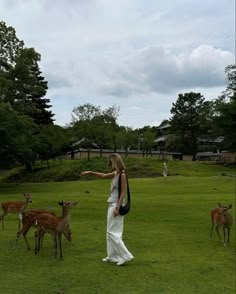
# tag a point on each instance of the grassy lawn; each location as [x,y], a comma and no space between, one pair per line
[167,231]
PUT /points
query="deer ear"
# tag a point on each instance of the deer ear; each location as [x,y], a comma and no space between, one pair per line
[230,206]
[219,205]
[60,203]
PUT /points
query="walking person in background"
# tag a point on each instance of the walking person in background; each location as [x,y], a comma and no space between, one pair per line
[164,169]
[116,249]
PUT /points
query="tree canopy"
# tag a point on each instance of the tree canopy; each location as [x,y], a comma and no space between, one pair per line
[225,118]
[191,118]
[21,82]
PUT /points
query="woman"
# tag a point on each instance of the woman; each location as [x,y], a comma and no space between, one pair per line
[116,249]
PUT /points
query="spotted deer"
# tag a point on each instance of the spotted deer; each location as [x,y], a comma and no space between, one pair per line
[46,223]
[220,217]
[15,207]
[28,221]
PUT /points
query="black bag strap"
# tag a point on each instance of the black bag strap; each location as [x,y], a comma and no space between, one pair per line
[127,183]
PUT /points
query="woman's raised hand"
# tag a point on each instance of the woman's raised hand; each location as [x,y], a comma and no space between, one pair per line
[84,173]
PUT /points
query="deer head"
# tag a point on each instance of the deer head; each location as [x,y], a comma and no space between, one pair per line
[28,197]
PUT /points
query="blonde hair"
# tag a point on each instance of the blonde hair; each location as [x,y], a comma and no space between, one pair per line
[117,162]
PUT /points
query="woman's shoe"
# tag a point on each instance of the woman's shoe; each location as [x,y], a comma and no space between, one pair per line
[107,259]
[123,261]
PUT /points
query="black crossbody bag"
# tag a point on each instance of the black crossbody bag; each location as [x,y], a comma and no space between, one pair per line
[124,209]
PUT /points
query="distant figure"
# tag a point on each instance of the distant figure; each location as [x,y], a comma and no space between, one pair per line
[164,169]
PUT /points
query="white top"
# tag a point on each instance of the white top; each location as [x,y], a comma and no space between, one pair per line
[114,197]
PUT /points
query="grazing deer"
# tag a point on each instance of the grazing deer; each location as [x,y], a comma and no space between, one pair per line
[220,216]
[15,207]
[28,220]
[46,223]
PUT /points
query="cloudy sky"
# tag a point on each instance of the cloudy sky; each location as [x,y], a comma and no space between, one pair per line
[135,54]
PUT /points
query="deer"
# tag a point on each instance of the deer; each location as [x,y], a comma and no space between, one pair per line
[28,220]
[15,207]
[220,216]
[46,223]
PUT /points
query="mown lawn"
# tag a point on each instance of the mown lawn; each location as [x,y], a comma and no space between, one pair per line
[167,231]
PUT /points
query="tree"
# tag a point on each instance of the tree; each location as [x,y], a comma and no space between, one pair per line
[126,138]
[18,139]
[21,82]
[94,126]
[102,129]
[85,112]
[111,115]
[148,141]
[225,118]
[191,118]
[10,46]
[31,88]
[52,141]
[230,72]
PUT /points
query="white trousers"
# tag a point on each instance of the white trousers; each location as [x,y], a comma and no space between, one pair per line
[116,249]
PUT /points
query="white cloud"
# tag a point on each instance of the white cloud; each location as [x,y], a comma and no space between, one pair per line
[162,71]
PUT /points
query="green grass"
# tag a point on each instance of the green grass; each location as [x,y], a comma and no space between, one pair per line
[69,170]
[167,231]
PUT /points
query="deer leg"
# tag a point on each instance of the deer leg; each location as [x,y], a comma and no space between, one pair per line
[55,246]
[36,242]
[2,218]
[23,232]
[26,241]
[40,239]
[224,235]
[228,234]
[59,239]
[212,226]
[41,242]
[17,237]
[18,234]
[20,220]
[218,233]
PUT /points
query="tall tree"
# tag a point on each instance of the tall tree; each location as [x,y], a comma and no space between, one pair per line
[52,141]
[85,112]
[230,72]
[111,115]
[9,45]
[95,125]
[191,118]
[225,119]
[21,82]
[126,138]
[18,138]
[103,128]
[148,141]
[31,87]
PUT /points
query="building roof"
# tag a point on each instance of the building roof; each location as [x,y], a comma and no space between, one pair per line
[211,140]
[80,143]
[165,126]
[160,139]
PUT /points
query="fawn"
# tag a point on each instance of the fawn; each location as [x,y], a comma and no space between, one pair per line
[15,207]
[220,216]
[46,223]
[28,220]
